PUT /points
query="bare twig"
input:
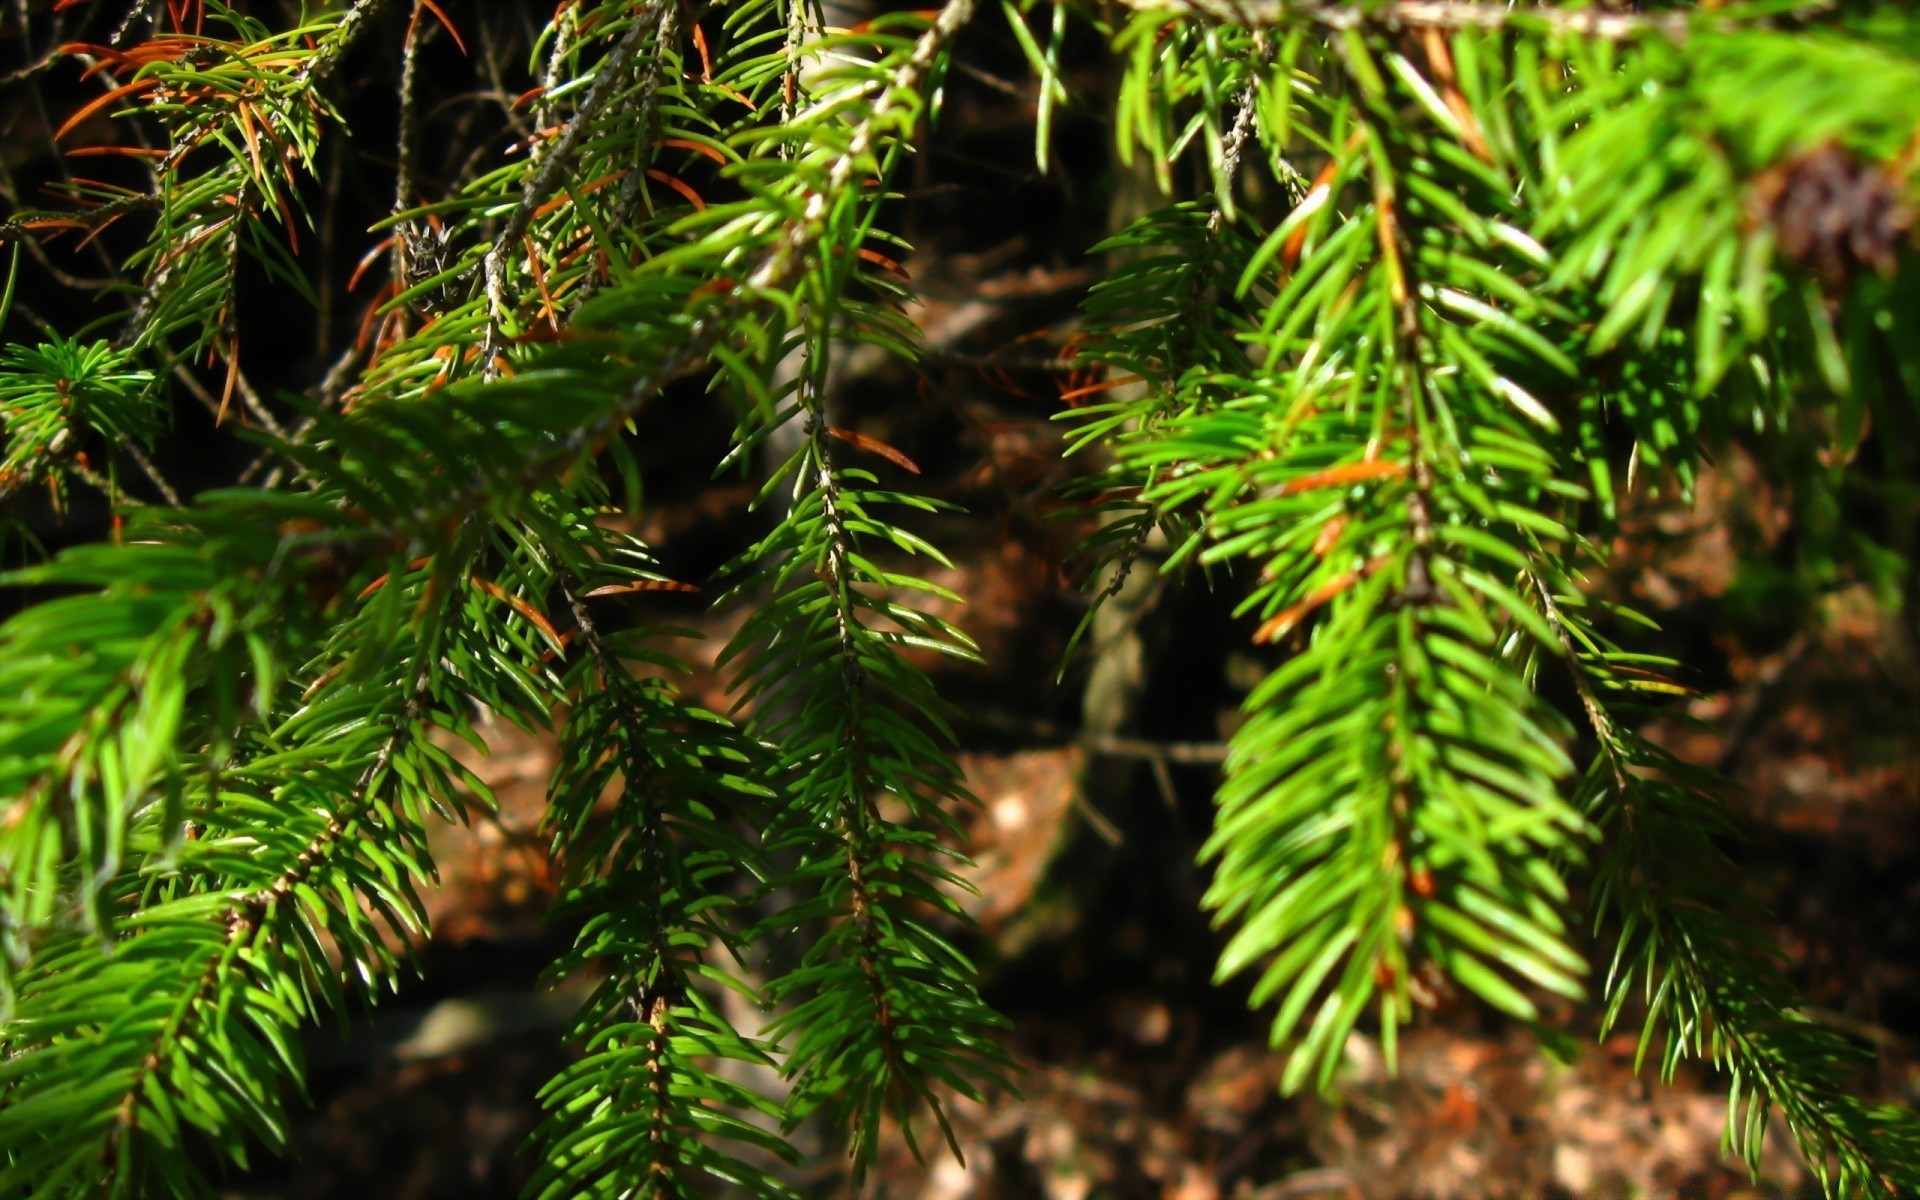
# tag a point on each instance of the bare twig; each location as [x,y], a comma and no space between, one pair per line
[1233,145]
[403,146]
[1006,87]
[125,27]
[100,483]
[152,472]
[490,57]
[249,397]
[335,47]
[34,69]
[566,34]
[1867,1031]
[1755,701]
[332,385]
[1115,746]
[1428,14]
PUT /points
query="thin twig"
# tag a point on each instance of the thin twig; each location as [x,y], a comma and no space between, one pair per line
[566,35]
[335,47]
[91,217]
[115,494]
[1755,701]
[34,69]
[1185,753]
[332,385]
[125,27]
[497,91]
[608,80]
[250,398]
[1006,87]
[1428,14]
[145,464]
[645,107]
[1597,715]
[398,255]
[1232,146]
[799,27]
[403,147]
[1867,1031]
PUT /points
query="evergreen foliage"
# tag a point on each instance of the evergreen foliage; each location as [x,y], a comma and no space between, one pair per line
[1436,287]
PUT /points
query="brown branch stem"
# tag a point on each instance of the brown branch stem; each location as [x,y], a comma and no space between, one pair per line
[610,77]
[1428,14]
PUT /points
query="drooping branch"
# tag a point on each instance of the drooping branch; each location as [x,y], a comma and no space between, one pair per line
[246,918]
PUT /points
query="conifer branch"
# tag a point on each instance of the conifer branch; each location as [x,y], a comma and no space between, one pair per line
[246,919]
[1393,398]
[1711,983]
[710,320]
[853,806]
[43,463]
[665,867]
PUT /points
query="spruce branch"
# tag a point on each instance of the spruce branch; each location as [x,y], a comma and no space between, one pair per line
[221,961]
[853,807]
[1390,404]
[245,920]
[1370,836]
[248,954]
[632,1112]
[1712,984]
[884,1010]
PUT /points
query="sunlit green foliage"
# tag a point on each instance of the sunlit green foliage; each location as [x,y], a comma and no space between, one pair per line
[1436,290]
